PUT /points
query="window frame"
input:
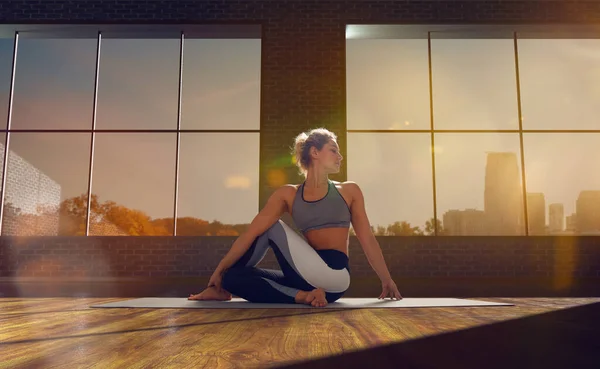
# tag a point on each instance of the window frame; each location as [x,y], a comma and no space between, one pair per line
[474,31]
[251,30]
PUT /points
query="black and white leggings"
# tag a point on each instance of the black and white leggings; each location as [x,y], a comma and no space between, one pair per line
[302,268]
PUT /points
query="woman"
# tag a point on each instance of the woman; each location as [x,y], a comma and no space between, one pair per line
[314,270]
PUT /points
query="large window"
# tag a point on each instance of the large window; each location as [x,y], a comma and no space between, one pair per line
[560,89]
[138,83]
[386,92]
[130,132]
[54,84]
[217,196]
[500,128]
[44,176]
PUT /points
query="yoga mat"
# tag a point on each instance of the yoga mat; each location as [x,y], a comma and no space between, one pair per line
[343,303]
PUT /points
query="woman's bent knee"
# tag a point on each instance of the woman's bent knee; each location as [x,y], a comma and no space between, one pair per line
[231,278]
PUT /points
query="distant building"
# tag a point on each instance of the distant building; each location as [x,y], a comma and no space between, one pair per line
[468,222]
[556,214]
[536,213]
[588,212]
[571,223]
[503,202]
[31,201]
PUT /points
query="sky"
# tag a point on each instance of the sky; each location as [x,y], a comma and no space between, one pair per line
[474,87]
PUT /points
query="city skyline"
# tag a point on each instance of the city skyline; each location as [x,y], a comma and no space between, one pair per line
[222,85]
[504,209]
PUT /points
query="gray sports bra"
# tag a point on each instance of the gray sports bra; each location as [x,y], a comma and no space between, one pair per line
[331,211]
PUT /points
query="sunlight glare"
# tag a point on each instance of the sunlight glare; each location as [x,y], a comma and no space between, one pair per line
[237,182]
[276,178]
[565,263]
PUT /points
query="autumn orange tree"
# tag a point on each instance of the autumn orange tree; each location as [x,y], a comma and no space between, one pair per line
[134,222]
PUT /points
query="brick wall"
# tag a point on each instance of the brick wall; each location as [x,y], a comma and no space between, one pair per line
[34,199]
[330,11]
[407,257]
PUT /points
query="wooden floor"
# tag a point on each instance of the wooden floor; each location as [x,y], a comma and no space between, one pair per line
[66,333]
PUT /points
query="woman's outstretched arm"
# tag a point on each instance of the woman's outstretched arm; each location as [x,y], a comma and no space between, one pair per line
[268,216]
[362,228]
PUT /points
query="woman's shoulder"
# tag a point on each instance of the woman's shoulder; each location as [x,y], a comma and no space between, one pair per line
[350,189]
[294,187]
[351,185]
[288,189]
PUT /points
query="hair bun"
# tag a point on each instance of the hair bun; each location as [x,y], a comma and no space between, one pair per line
[304,141]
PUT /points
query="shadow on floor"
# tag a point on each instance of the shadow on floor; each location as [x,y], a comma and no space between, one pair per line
[562,339]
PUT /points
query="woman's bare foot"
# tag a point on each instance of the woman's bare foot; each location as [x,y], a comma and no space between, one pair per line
[314,298]
[211,293]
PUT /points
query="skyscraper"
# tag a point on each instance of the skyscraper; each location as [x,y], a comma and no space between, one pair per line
[503,201]
[536,213]
[588,212]
[557,216]
[571,223]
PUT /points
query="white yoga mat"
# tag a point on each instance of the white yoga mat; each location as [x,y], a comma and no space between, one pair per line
[343,303]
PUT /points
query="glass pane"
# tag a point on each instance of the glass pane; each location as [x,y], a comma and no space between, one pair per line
[2,142]
[6,56]
[221,84]
[138,85]
[46,184]
[478,184]
[218,183]
[54,84]
[560,83]
[474,84]
[387,84]
[394,173]
[133,184]
[568,179]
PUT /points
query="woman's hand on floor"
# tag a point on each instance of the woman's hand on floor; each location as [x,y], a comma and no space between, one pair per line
[389,289]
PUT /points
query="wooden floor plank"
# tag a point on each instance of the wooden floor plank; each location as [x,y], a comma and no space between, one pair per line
[65,332]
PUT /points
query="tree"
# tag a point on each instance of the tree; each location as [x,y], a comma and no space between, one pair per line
[402,229]
[72,213]
[430,230]
[395,229]
[134,222]
[190,226]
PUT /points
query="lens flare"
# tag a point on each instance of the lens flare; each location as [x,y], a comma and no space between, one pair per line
[276,178]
